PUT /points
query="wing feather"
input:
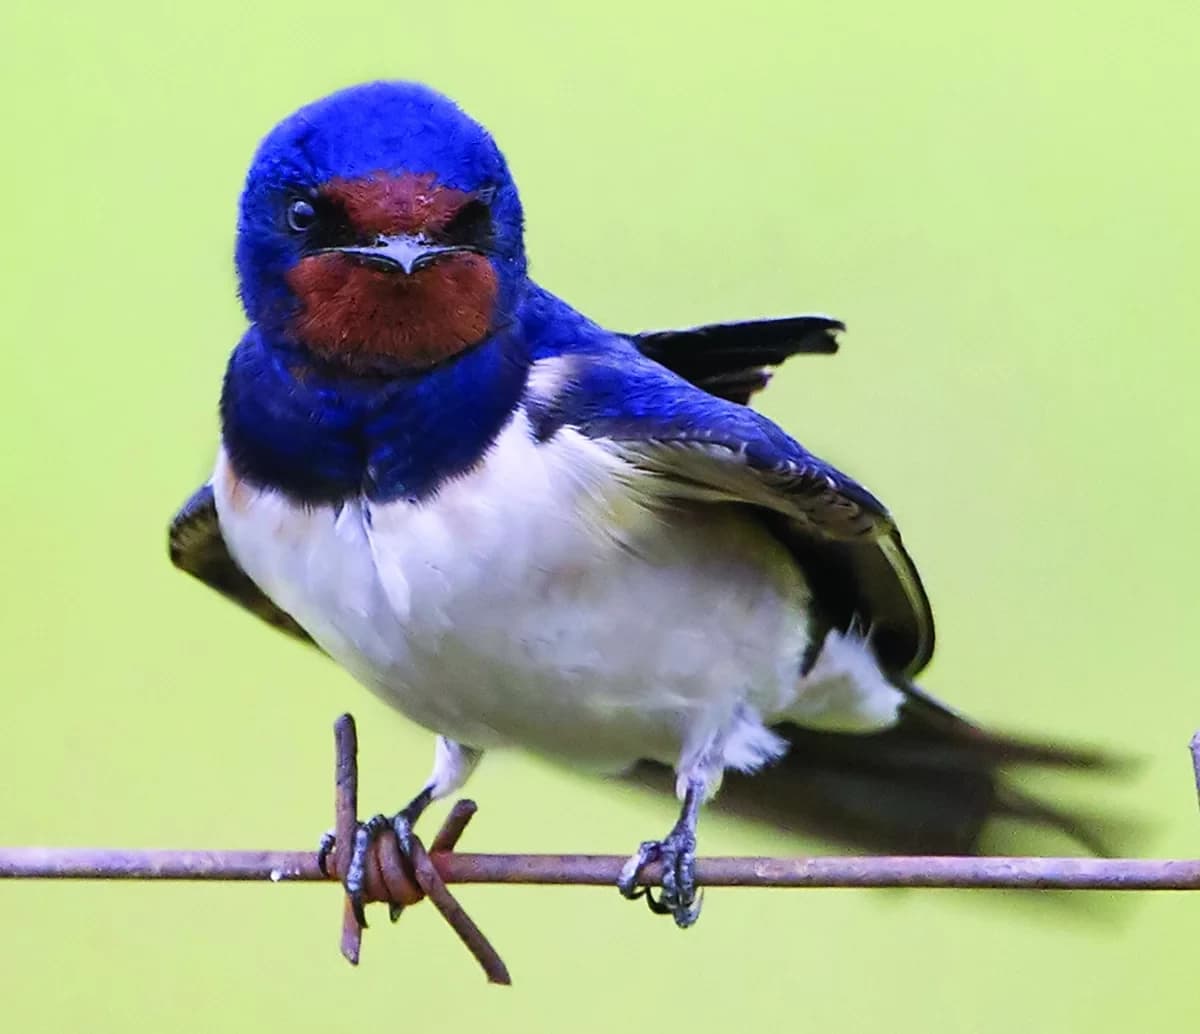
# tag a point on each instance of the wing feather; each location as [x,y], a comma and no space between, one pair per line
[196,546]
[734,360]
[710,449]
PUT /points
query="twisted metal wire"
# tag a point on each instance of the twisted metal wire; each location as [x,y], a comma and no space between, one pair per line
[404,881]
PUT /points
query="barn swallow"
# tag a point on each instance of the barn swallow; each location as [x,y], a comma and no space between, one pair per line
[522,529]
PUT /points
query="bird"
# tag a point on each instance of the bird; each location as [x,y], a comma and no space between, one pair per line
[524,530]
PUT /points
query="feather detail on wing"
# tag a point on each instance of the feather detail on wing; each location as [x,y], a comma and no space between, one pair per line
[813,495]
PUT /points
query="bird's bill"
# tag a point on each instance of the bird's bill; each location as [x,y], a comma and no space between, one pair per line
[401,252]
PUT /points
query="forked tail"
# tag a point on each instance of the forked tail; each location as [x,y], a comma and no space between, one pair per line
[929,785]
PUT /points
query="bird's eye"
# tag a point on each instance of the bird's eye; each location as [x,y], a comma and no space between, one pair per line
[301,215]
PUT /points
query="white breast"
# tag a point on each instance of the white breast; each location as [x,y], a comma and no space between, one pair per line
[545,599]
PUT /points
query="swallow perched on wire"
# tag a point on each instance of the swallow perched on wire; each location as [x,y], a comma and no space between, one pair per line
[523,529]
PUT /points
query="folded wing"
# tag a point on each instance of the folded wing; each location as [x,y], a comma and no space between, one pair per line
[196,546]
[705,448]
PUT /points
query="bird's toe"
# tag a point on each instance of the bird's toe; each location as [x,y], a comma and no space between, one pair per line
[325,847]
[627,882]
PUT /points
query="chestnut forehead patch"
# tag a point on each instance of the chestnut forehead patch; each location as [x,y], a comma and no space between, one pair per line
[382,203]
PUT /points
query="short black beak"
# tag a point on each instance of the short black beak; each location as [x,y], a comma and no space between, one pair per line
[405,252]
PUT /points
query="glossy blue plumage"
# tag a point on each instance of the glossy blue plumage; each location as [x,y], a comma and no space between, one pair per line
[618,393]
[321,436]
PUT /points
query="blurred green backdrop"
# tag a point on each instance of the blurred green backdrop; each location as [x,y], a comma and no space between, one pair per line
[1001,202]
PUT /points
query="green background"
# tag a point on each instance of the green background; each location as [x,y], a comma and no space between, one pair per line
[1002,204]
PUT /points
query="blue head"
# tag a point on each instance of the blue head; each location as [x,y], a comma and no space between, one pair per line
[380,230]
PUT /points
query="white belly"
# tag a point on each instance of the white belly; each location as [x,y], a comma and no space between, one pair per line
[545,599]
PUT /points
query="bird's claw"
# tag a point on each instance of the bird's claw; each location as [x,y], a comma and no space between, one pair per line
[324,848]
[679,897]
[627,882]
[356,872]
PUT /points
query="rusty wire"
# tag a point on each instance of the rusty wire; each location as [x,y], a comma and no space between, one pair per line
[404,881]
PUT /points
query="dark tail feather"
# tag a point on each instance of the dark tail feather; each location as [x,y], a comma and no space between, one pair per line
[929,785]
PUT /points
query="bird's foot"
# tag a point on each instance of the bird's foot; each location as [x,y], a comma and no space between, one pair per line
[679,897]
[364,839]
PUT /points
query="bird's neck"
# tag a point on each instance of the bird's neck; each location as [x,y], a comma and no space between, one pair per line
[320,435]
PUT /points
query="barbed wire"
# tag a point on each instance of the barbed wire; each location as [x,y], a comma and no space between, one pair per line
[403,881]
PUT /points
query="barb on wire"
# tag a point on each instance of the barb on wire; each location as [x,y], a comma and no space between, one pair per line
[400,881]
